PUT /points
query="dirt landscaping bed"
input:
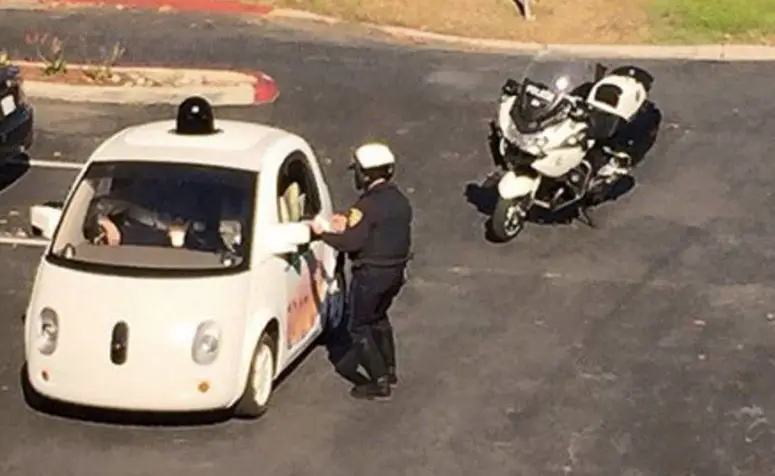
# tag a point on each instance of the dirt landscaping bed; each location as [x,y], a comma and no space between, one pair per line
[566,21]
[80,75]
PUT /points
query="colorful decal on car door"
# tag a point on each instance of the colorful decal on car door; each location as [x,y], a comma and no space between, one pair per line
[306,301]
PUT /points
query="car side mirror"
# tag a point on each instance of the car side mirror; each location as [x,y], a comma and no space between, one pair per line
[283,238]
[45,218]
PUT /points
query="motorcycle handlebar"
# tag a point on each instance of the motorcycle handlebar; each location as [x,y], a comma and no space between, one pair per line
[511,87]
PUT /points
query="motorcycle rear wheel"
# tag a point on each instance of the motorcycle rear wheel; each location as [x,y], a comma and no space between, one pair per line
[508,219]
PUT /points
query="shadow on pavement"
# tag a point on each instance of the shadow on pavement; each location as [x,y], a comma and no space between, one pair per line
[12,170]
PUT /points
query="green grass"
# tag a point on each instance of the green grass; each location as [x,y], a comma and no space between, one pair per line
[715,20]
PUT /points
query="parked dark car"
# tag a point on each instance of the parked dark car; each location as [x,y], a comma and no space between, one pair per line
[16,114]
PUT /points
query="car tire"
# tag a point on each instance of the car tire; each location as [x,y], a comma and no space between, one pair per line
[258,388]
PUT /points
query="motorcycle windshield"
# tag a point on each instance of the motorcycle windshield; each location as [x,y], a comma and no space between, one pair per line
[547,85]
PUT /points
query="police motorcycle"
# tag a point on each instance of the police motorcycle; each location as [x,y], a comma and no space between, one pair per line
[558,137]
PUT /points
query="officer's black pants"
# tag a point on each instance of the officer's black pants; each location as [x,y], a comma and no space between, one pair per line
[372,290]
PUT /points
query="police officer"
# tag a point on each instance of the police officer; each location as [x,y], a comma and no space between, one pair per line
[376,235]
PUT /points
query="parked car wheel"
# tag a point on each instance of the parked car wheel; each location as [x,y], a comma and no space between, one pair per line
[258,388]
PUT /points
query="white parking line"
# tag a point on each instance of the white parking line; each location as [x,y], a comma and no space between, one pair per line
[22,241]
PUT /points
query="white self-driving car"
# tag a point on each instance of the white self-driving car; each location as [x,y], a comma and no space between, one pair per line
[180,275]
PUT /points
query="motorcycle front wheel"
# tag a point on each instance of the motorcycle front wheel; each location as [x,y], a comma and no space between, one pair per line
[508,219]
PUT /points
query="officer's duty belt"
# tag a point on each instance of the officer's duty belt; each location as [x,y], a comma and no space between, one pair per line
[382,262]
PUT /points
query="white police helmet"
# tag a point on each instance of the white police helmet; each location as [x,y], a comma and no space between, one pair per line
[374,155]
[372,161]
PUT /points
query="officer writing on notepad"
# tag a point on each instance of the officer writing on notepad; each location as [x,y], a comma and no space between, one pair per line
[376,235]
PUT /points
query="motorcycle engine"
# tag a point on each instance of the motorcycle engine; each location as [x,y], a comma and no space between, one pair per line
[577,179]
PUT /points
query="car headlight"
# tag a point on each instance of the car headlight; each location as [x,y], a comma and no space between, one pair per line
[47,331]
[206,344]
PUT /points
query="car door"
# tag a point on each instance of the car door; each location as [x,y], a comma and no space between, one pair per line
[298,199]
[325,255]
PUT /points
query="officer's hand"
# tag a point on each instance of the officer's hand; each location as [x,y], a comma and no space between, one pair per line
[338,223]
[317,227]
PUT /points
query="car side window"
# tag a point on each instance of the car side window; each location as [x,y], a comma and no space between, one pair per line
[298,197]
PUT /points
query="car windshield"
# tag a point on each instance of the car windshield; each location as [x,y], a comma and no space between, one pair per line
[158,216]
[547,84]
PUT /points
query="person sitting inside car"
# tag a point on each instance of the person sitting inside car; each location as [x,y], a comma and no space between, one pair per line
[113,228]
[136,226]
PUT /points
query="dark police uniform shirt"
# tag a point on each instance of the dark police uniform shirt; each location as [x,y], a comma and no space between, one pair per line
[379,228]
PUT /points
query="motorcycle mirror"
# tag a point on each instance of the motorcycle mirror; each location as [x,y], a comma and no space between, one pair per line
[578,113]
[511,87]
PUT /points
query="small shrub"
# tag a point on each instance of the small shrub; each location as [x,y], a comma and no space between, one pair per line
[104,70]
[51,52]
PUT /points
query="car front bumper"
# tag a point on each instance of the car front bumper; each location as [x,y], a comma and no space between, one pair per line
[159,389]
[17,130]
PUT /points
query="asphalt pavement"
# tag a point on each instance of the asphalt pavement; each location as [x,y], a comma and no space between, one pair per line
[642,348]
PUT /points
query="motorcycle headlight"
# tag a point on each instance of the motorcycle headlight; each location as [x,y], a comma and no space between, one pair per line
[541,141]
[206,345]
[528,142]
[578,140]
[47,331]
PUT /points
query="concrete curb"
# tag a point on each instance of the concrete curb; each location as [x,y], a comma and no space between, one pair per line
[236,88]
[717,52]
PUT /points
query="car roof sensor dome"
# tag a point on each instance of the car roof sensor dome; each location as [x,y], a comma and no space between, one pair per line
[195,117]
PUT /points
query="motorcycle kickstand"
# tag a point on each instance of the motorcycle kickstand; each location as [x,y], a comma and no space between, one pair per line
[586,218]
[492,179]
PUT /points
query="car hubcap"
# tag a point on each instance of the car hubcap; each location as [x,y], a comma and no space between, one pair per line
[262,375]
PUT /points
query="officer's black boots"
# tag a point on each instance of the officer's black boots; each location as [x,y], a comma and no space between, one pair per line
[379,390]
[388,352]
[347,367]
[385,341]
[368,349]
[392,377]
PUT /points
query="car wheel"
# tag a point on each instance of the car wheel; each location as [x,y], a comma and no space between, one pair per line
[258,389]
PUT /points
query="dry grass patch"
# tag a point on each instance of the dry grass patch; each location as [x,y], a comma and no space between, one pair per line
[556,21]
[565,21]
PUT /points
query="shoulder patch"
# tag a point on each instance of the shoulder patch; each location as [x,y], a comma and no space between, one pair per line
[354,216]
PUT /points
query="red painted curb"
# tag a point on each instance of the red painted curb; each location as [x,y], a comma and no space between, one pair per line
[213,6]
[264,89]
